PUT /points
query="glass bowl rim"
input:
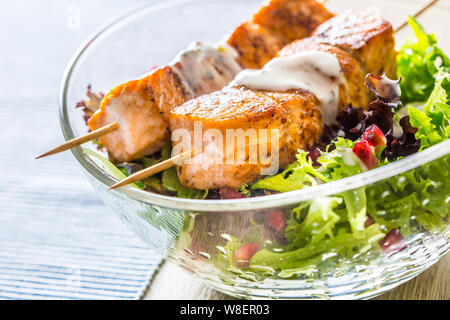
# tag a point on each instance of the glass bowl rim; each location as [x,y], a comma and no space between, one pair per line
[247,204]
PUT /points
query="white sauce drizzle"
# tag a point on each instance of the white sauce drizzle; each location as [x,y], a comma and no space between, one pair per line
[206,68]
[314,71]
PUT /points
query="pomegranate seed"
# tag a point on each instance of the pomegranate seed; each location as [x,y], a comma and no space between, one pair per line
[277,220]
[366,153]
[392,243]
[374,136]
[243,254]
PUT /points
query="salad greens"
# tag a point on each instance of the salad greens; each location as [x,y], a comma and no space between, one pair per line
[328,223]
[418,64]
[433,121]
[343,243]
[336,164]
[295,176]
[415,199]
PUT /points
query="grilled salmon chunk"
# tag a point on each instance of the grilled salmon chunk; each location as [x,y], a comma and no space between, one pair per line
[255,45]
[276,24]
[295,115]
[136,108]
[141,106]
[292,19]
[364,34]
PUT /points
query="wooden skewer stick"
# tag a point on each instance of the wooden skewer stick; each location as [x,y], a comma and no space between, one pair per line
[157,168]
[83,139]
[416,14]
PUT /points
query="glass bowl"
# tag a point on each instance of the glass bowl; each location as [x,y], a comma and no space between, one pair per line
[199,234]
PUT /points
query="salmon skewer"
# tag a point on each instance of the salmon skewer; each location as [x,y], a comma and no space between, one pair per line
[141,106]
[296,114]
[179,88]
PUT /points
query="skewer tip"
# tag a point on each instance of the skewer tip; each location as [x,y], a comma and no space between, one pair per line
[46,154]
[83,139]
[118,185]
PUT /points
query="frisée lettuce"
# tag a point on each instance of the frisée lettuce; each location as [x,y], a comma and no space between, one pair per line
[418,63]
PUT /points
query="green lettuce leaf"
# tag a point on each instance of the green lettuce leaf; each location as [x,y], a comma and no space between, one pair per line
[296,176]
[340,162]
[302,173]
[317,224]
[419,195]
[418,63]
[433,121]
[343,243]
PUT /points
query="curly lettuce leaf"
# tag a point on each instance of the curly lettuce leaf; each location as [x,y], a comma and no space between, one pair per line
[343,243]
[418,63]
[340,162]
[356,209]
[318,223]
[244,189]
[418,195]
[296,176]
[433,121]
[336,164]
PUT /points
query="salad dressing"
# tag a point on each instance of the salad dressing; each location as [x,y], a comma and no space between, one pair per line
[206,68]
[314,71]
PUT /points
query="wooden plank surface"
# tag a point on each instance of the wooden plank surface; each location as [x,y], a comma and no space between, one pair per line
[172,282]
